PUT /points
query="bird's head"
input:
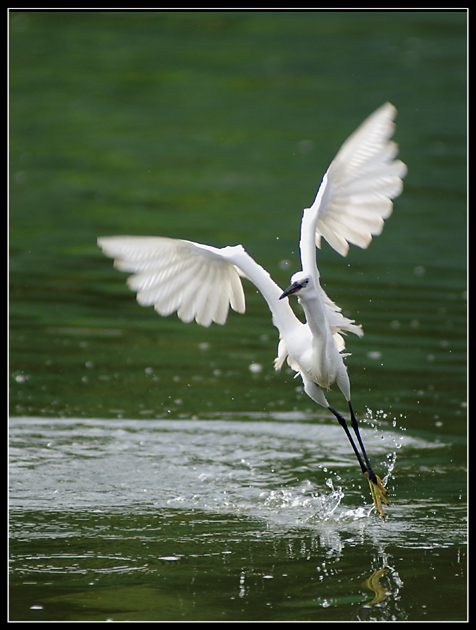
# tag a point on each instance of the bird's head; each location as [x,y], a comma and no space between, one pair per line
[301,283]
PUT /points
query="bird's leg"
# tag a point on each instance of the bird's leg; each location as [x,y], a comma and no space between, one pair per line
[379,492]
[355,425]
[343,424]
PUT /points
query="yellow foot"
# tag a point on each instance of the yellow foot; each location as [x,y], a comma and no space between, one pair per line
[379,494]
[374,585]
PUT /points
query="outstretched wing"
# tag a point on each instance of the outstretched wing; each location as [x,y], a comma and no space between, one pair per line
[197,281]
[357,191]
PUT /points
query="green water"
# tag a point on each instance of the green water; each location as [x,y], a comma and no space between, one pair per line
[154,476]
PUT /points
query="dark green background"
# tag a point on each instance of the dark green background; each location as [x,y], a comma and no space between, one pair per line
[217,127]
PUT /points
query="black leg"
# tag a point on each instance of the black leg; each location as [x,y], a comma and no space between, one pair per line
[343,424]
[355,426]
[379,493]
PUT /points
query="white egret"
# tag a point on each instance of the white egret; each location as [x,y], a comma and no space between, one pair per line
[200,282]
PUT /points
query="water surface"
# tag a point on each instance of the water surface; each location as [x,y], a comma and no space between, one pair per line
[236,519]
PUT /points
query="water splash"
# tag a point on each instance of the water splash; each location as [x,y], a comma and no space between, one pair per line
[377,420]
[306,504]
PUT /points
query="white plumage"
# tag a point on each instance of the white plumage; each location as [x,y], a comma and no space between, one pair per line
[171,274]
[201,282]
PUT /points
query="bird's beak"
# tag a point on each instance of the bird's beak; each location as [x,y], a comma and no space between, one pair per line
[291,289]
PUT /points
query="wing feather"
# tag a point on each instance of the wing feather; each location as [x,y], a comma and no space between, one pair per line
[357,191]
[197,281]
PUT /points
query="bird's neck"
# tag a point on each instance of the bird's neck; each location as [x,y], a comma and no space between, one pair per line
[315,311]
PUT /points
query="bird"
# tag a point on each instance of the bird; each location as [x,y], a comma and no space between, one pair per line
[201,282]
